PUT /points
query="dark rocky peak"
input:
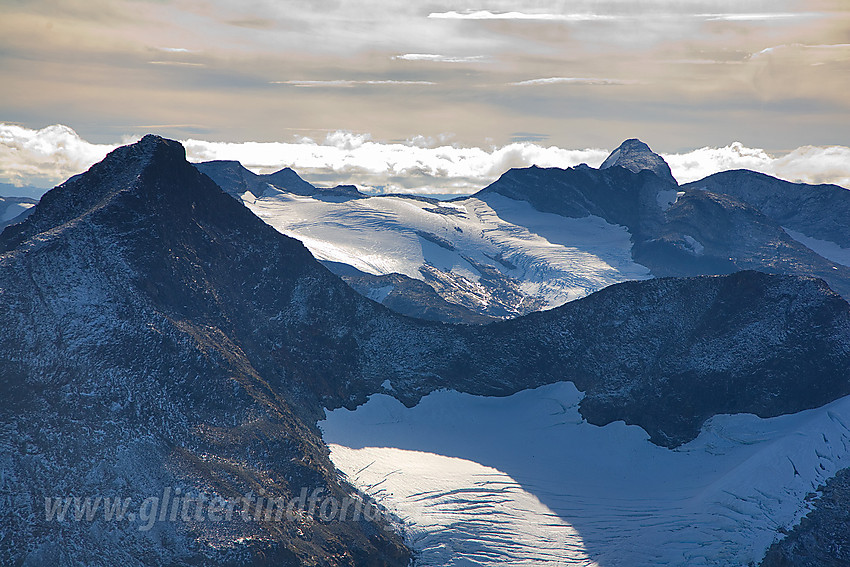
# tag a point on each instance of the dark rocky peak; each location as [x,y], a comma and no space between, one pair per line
[231,176]
[123,171]
[288,180]
[617,195]
[235,179]
[635,156]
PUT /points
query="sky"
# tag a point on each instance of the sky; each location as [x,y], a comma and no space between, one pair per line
[438,96]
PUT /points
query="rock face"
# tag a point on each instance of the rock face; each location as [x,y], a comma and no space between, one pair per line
[615,194]
[822,539]
[135,300]
[154,334]
[636,156]
[818,211]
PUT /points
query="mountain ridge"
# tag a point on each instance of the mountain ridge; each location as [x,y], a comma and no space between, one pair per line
[154,332]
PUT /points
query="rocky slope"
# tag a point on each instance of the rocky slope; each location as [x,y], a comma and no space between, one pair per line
[136,299]
[154,333]
[818,211]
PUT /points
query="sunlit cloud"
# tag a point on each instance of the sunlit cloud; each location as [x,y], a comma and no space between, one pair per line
[347,84]
[176,63]
[487,15]
[755,17]
[807,164]
[440,58]
[45,157]
[348,158]
[573,81]
[176,50]
[842,50]
[420,165]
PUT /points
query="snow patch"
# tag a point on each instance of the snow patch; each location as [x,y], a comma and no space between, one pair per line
[694,245]
[666,199]
[379,294]
[828,249]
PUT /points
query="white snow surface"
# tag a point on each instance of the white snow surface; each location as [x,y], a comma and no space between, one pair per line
[667,199]
[556,258]
[826,248]
[523,480]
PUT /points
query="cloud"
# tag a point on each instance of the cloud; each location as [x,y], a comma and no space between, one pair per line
[807,164]
[573,81]
[420,165]
[347,84]
[45,157]
[440,58]
[836,50]
[756,17]
[487,15]
[176,63]
[344,157]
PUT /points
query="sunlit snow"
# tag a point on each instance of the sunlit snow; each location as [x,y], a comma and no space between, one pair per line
[556,258]
[523,479]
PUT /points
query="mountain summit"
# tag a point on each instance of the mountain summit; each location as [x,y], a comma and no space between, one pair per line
[635,156]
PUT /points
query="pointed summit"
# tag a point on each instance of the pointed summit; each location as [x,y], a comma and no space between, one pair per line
[635,156]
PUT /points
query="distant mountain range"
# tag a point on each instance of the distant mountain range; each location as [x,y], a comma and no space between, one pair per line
[537,238]
[14,210]
[154,333]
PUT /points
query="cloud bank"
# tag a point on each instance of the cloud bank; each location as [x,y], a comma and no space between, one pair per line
[49,156]
[45,157]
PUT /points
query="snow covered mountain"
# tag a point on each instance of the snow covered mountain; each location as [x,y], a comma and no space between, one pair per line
[492,256]
[701,228]
[155,335]
[537,238]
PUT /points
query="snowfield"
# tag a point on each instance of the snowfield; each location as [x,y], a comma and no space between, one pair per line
[525,480]
[829,250]
[548,256]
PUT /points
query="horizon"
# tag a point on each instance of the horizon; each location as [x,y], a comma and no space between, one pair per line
[34,161]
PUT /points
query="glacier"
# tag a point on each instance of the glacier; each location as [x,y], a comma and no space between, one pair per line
[524,480]
[555,258]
